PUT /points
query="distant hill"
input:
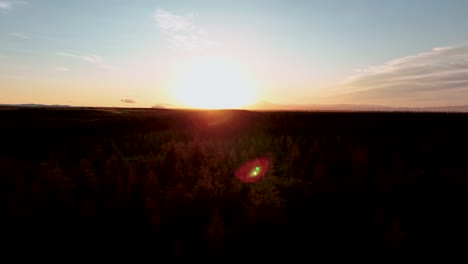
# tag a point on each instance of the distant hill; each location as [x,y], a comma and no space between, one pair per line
[265,105]
[33,105]
[459,108]
[163,106]
[158,107]
[268,106]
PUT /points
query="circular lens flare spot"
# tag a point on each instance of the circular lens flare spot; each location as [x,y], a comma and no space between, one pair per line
[253,170]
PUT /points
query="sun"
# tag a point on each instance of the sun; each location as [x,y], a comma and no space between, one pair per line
[212,83]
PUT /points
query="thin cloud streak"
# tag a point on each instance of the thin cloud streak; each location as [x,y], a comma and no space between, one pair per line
[67,54]
[90,58]
[20,36]
[428,78]
[127,101]
[61,69]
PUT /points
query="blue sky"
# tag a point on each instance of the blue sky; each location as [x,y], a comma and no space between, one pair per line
[108,52]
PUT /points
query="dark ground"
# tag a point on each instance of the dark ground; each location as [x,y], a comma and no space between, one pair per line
[159,185]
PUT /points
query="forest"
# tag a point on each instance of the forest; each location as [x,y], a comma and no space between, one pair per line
[163,185]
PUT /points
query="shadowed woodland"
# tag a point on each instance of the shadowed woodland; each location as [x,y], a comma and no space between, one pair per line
[145,184]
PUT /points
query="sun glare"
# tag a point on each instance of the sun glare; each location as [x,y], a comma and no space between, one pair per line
[212,83]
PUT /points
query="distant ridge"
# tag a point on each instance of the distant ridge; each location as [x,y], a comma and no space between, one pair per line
[163,106]
[33,105]
[265,105]
[268,106]
[459,108]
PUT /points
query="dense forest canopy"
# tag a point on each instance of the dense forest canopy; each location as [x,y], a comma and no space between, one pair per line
[117,183]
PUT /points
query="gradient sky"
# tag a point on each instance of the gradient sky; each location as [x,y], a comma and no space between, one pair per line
[120,52]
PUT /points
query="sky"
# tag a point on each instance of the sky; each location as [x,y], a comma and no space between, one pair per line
[170,53]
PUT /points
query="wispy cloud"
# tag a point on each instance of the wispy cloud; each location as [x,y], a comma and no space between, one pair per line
[20,35]
[127,101]
[61,69]
[5,5]
[90,58]
[93,59]
[439,76]
[66,54]
[106,67]
[6,76]
[181,31]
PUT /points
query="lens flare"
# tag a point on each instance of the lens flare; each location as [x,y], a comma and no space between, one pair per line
[253,170]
